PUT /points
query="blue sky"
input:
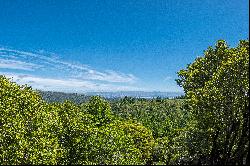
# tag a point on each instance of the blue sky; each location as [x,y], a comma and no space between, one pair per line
[112,45]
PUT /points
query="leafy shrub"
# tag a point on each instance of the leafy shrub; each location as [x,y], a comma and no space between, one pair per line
[25,126]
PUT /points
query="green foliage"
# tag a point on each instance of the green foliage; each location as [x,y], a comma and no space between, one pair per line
[34,132]
[25,126]
[166,119]
[141,136]
[159,116]
[75,129]
[121,143]
[217,89]
[100,109]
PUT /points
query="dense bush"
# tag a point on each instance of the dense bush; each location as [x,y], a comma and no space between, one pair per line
[166,118]
[25,127]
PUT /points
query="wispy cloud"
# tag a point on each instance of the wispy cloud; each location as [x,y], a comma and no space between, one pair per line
[20,65]
[48,72]
[51,63]
[109,75]
[65,85]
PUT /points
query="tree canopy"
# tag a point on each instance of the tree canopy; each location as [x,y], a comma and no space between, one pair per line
[217,90]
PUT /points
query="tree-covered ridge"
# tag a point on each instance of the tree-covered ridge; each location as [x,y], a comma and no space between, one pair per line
[61,97]
[209,125]
[51,96]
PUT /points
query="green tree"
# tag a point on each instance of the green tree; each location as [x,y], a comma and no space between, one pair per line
[89,134]
[217,89]
[75,127]
[121,142]
[100,109]
[25,127]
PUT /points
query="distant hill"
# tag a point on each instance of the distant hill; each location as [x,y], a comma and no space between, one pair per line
[50,96]
[136,94]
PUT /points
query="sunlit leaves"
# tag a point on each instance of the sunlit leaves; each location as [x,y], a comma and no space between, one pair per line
[34,132]
[217,87]
[25,125]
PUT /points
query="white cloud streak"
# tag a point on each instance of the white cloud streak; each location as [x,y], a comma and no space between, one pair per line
[20,65]
[15,59]
[48,72]
[64,85]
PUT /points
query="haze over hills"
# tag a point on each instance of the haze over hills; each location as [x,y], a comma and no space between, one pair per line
[51,96]
[136,94]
